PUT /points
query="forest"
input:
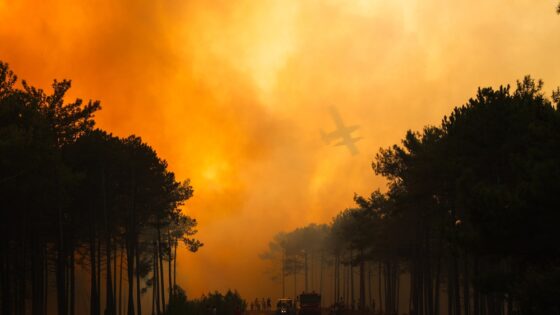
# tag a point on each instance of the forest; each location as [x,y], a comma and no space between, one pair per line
[81,207]
[468,223]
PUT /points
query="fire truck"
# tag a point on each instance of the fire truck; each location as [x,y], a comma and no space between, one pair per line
[309,304]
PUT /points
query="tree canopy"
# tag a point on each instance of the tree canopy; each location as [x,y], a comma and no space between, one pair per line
[470,212]
[78,199]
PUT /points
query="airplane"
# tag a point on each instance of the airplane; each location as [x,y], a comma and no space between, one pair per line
[342,132]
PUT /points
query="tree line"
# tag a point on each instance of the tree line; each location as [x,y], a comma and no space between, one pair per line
[468,223]
[77,201]
[229,303]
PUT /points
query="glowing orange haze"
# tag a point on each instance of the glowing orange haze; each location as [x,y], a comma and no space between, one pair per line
[234,93]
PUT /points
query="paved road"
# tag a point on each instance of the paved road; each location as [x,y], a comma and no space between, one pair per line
[325,312]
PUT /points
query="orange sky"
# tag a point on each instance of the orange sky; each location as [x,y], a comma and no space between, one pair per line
[234,95]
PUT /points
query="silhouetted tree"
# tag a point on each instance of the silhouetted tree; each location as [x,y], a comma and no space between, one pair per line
[470,205]
[78,197]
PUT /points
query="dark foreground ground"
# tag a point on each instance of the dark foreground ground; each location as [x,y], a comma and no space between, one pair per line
[324,312]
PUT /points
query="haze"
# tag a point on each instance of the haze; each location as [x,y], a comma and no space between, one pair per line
[234,95]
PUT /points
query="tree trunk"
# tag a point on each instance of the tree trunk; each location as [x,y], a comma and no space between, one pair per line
[305,270]
[295,280]
[109,302]
[138,292]
[175,268]
[157,277]
[466,288]
[72,283]
[169,270]
[321,278]
[283,273]
[130,272]
[362,304]
[37,276]
[160,262]
[46,289]
[380,291]
[352,296]
[121,279]
[456,283]
[155,288]
[61,296]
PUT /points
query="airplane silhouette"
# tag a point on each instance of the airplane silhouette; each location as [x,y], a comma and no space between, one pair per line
[342,132]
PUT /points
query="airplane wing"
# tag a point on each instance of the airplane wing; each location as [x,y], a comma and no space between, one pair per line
[351,129]
[350,144]
[329,137]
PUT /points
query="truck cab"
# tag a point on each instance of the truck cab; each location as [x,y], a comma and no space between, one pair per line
[285,307]
[309,304]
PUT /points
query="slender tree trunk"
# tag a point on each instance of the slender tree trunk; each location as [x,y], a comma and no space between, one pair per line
[345,294]
[450,288]
[305,270]
[476,293]
[61,296]
[131,243]
[370,288]
[169,269]
[335,275]
[429,278]
[321,277]
[153,292]
[156,278]
[115,283]
[4,272]
[72,272]
[362,304]
[456,289]
[22,271]
[466,288]
[283,273]
[295,280]
[352,296]
[46,289]
[99,273]
[160,262]
[175,268]
[411,299]
[438,277]
[312,271]
[380,291]
[130,272]
[37,285]
[121,279]
[397,288]
[138,292]
[109,302]
[387,290]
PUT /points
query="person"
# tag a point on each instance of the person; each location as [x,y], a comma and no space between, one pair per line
[268,305]
[251,306]
[257,305]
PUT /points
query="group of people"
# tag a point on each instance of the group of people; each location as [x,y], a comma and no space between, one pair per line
[261,305]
